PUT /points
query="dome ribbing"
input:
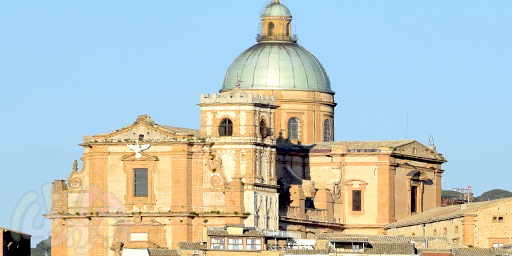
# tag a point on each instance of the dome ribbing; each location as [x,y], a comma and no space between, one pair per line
[277,65]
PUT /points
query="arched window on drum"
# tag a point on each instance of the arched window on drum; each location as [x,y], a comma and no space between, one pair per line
[264,129]
[293,128]
[226,127]
[327,130]
[271,27]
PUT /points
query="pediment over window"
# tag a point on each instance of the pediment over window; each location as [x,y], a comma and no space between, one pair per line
[416,174]
[356,183]
[144,157]
[138,222]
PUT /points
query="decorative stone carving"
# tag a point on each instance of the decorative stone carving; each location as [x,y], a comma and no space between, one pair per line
[138,149]
[337,190]
[145,119]
[227,163]
[75,181]
[216,181]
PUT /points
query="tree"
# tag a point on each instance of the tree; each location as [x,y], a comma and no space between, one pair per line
[494,194]
[43,248]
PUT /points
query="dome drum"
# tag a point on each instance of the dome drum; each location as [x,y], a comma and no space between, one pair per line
[279,67]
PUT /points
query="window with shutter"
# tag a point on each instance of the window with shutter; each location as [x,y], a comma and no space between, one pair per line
[356,200]
[293,128]
[327,130]
[140,183]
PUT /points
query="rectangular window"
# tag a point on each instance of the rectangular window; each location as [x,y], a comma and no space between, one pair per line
[414,203]
[217,244]
[497,219]
[140,186]
[235,244]
[253,244]
[356,200]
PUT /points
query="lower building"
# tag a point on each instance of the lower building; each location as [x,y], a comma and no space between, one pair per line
[483,224]
[239,240]
[14,243]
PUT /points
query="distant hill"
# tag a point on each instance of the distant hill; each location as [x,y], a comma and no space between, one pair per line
[486,196]
[493,194]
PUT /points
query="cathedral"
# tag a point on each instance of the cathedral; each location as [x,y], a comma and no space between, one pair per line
[264,159]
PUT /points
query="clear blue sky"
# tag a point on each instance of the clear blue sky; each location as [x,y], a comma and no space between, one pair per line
[75,68]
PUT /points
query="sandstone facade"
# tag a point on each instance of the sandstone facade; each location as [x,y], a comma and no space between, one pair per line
[264,158]
[483,224]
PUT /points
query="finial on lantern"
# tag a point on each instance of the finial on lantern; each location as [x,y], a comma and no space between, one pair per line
[75,166]
[276,1]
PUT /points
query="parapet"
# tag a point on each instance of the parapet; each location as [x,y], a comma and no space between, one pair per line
[237,96]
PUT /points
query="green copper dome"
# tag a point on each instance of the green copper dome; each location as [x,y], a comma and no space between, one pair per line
[279,66]
[276,9]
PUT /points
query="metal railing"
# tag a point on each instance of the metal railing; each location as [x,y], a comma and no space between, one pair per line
[277,37]
[278,234]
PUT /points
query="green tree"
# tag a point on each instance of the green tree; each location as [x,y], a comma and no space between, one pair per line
[43,248]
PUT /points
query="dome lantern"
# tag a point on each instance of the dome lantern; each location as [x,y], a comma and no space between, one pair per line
[276,23]
[277,62]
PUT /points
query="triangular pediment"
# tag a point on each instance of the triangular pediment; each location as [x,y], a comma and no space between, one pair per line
[416,149]
[144,129]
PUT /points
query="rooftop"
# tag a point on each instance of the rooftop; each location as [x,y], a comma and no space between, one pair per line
[445,213]
[163,252]
[363,144]
[378,239]
[14,231]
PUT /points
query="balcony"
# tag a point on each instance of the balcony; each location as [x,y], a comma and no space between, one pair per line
[316,215]
[308,214]
[277,37]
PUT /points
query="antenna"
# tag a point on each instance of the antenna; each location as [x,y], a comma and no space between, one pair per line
[431,142]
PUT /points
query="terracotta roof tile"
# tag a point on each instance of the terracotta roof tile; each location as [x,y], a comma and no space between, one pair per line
[192,246]
[363,144]
[163,252]
[390,248]
[443,213]
[479,252]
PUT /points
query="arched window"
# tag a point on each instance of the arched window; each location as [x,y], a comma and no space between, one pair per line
[271,27]
[293,128]
[141,137]
[327,130]
[264,130]
[226,127]
[288,29]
